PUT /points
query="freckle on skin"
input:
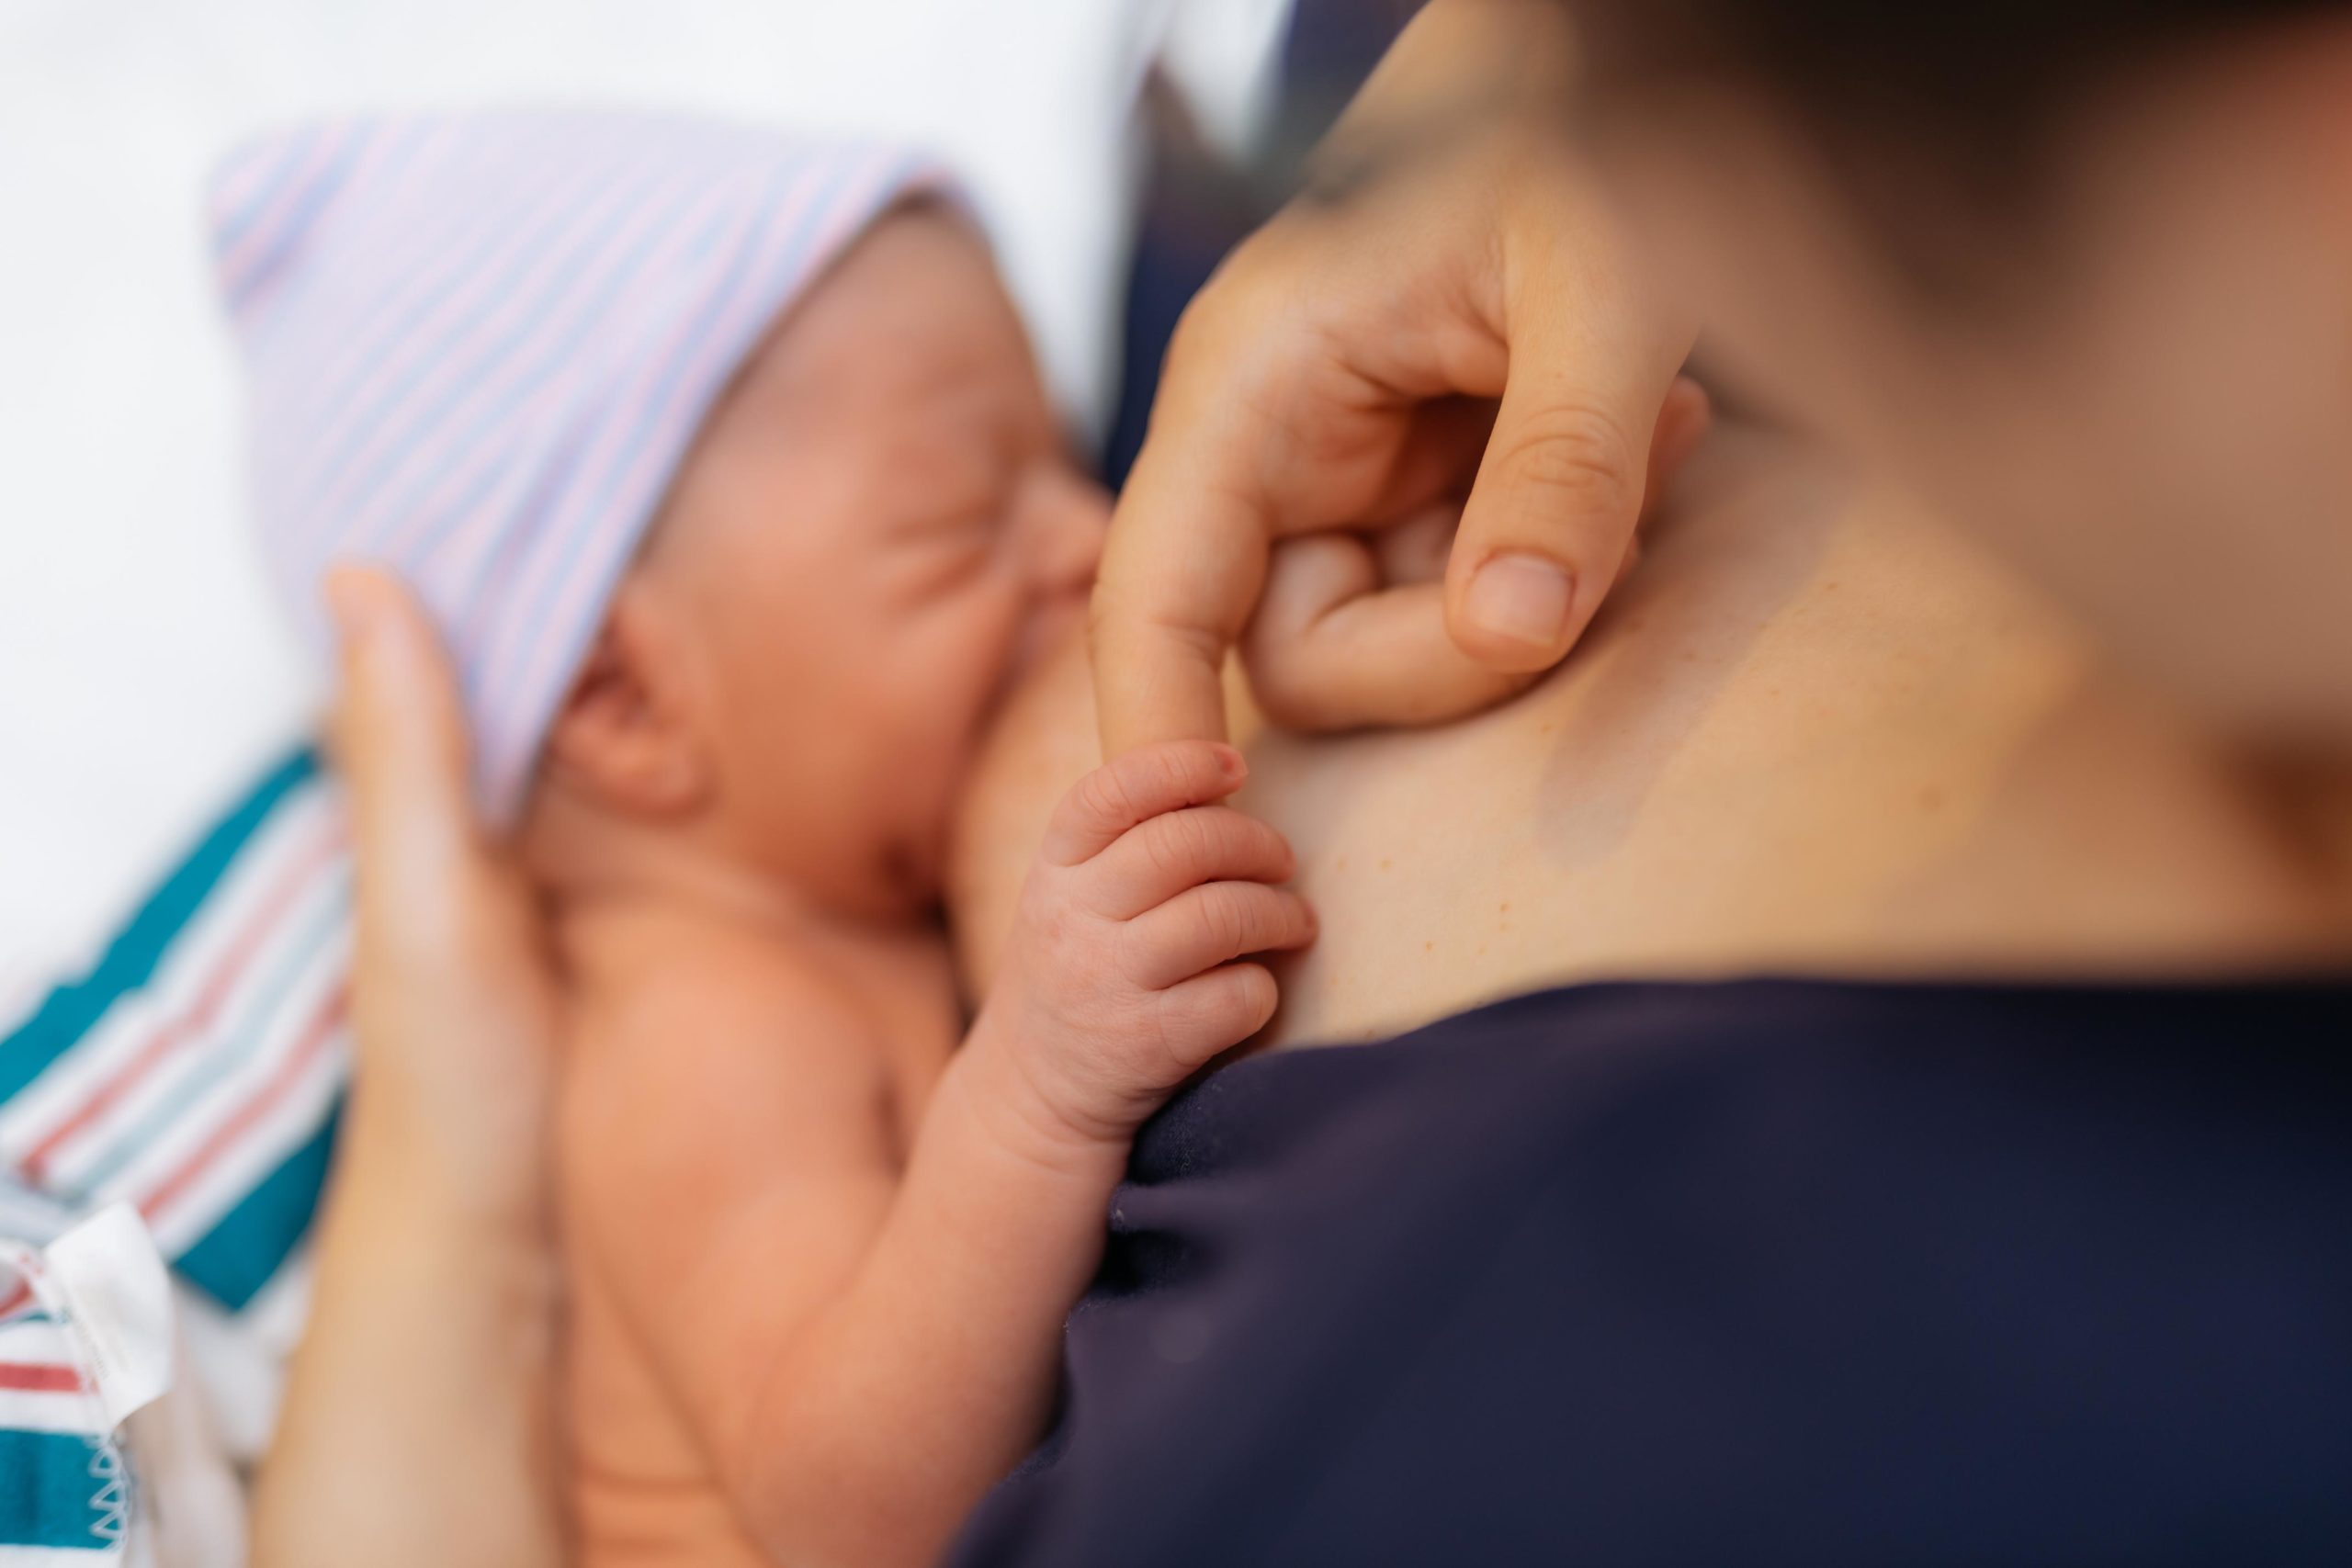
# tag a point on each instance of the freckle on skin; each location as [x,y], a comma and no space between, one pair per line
[1931,798]
[1386,862]
[1504,907]
[1482,949]
[1339,864]
[1429,947]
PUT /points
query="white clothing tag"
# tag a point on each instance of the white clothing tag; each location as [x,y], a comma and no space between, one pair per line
[119,1300]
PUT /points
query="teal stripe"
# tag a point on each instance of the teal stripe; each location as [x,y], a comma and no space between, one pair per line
[237,1258]
[47,1496]
[130,962]
[220,1059]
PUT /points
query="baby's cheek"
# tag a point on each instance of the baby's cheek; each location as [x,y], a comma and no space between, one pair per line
[962,671]
[998,633]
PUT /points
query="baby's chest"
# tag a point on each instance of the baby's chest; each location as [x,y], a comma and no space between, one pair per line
[921,1023]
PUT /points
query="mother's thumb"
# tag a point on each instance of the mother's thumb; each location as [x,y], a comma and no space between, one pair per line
[399,741]
[1551,513]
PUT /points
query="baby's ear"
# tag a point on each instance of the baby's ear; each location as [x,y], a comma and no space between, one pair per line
[626,736]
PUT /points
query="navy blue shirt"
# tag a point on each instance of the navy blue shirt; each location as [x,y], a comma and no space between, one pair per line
[1768,1272]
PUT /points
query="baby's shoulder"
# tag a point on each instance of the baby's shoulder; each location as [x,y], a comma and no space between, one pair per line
[698,1075]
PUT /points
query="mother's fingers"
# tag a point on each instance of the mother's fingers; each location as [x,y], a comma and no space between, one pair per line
[1349,629]
[1338,643]
[1180,568]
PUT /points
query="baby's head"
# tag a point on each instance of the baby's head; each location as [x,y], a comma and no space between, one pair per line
[875,518]
[721,458]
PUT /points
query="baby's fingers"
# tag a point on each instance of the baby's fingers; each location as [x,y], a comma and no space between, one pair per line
[1205,927]
[1215,1011]
[1185,848]
[1135,787]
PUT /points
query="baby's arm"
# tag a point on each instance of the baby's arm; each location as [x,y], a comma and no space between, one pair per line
[856,1412]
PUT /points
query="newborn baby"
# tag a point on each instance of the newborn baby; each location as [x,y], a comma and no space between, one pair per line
[724,465]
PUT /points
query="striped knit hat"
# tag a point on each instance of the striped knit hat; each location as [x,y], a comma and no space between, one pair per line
[481,345]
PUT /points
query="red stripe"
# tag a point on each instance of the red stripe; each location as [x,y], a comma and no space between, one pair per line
[323,1024]
[33,1377]
[198,1018]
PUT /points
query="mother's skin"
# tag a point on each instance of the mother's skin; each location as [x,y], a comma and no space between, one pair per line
[1813,734]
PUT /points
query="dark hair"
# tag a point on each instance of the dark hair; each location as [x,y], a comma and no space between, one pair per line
[1978,58]
[1981,72]
[1969,90]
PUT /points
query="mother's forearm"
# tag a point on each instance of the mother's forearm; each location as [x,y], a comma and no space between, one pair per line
[416,1427]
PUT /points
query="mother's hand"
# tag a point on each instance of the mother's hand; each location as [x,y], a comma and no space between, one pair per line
[1448,298]
[417,1421]
[454,997]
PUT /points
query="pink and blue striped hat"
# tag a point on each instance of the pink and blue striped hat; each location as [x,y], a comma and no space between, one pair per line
[482,344]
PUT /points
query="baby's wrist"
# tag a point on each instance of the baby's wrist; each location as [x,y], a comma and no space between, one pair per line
[1021,1116]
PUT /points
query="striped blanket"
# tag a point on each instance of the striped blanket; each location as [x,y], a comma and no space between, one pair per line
[64,1494]
[85,1345]
[61,1475]
[194,1074]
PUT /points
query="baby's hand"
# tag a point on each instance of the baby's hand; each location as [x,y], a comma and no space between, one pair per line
[1121,980]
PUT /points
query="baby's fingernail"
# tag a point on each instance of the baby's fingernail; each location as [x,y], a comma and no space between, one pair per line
[1521,597]
[1230,764]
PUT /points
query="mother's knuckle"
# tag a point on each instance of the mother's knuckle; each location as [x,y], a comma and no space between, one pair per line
[1577,449]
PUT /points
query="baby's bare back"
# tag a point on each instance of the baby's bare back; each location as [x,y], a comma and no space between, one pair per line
[731,1123]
